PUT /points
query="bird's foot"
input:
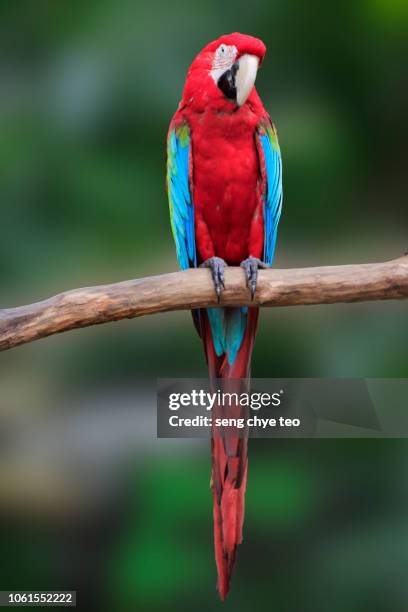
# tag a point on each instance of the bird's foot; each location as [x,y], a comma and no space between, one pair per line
[217,267]
[251,267]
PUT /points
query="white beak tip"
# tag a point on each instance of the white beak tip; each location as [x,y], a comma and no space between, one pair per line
[245,78]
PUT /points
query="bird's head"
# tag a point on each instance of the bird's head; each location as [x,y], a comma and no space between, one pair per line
[223,74]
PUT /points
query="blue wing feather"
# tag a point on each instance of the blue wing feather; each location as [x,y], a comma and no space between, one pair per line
[273,193]
[180,201]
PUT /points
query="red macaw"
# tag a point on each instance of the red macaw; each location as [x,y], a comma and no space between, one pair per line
[224,180]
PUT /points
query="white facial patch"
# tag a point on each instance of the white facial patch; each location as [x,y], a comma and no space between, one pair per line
[224,58]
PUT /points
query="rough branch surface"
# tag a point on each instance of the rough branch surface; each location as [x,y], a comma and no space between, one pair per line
[194,289]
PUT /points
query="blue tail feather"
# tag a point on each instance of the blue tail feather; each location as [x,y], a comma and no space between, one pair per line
[228,329]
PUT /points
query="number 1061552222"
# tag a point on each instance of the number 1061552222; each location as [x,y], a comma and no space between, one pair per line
[40,598]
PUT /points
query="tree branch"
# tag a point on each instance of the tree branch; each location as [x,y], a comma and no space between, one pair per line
[194,289]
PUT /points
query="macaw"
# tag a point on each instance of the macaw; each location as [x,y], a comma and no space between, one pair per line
[224,183]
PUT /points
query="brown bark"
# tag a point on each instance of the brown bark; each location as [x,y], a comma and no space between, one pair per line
[193,289]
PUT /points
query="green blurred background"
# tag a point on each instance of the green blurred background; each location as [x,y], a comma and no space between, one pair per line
[89,498]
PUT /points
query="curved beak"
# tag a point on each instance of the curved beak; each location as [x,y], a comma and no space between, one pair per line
[245,77]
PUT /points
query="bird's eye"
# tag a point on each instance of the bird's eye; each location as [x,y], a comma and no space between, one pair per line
[223,49]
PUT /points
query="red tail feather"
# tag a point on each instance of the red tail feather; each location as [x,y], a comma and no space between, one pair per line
[229,451]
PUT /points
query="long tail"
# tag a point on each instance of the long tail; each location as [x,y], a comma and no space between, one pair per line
[229,451]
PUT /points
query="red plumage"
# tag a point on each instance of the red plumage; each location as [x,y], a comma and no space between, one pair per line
[229,452]
[227,186]
[226,179]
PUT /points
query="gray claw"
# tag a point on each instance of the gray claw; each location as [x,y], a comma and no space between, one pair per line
[217,267]
[251,266]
